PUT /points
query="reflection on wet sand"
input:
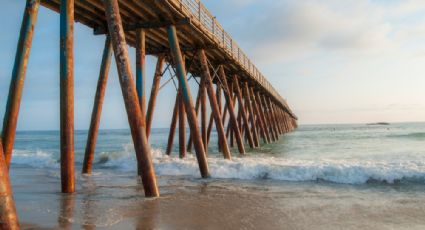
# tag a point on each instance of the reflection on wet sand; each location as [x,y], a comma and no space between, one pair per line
[66,211]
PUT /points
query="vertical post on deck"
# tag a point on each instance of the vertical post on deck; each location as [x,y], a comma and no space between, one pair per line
[140,70]
[97,107]
[154,93]
[182,127]
[173,125]
[187,97]
[8,216]
[251,114]
[67,95]
[18,77]
[233,120]
[243,112]
[134,113]
[208,85]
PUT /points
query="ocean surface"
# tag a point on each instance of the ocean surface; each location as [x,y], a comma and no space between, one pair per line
[320,176]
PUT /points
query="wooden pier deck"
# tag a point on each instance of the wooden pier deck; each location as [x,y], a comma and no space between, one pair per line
[186,38]
[197,29]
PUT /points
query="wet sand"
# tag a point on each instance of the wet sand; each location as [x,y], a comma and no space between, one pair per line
[111,200]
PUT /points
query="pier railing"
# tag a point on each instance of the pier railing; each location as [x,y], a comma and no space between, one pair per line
[200,16]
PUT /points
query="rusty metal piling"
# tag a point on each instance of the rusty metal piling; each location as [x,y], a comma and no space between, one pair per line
[10,119]
[97,107]
[134,113]
[187,98]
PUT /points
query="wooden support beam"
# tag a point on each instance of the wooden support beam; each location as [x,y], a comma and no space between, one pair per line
[134,113]
[270,136]
[269,117]
[8,216]
[197,105]
[243,112]
[182,126]
[233,120]
[260,120]
[97,107]
[218,93]
[144,25]
[248,102]
[141,70]
[214,105]
[154,93]
[203,100]
[10,119]
[187,97]
[67,95]
[273,116]
[173,126]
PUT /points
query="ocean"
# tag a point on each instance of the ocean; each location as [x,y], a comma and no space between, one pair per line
[353,176]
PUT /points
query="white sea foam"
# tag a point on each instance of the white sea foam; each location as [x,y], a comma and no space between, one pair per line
[252,167]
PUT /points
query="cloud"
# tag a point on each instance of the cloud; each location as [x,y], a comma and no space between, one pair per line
[292,29]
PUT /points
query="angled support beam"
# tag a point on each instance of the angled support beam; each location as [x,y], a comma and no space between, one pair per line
[173,126]
[260,120]
[203,100]
[67,95]
[198,101]
[8,216]
[214,105]
[248,102]
[233,119]
[269,104]
[187,98]
[266,121]
[10,119]
[182,127]
[243,112]
[134,113]
[270,118]
[97,107]
[154,93]
[141,70]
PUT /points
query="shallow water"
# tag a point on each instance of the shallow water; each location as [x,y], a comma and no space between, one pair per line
[319,177]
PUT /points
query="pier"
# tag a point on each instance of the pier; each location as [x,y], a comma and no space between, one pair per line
[190,44]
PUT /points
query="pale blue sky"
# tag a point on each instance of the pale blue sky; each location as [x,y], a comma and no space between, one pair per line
[335,61]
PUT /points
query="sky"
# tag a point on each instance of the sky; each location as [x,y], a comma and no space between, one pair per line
[352,61]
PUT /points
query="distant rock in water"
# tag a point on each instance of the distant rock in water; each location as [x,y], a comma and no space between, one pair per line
[379,123]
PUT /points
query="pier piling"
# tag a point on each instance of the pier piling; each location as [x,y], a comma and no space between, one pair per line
[187,98]
[18,77]
[138,131]
[8,216]
[97,107]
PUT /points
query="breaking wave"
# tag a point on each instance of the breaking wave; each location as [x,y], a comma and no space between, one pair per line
[253,167]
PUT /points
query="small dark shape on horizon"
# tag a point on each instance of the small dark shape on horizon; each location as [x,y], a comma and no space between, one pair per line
[379,123]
